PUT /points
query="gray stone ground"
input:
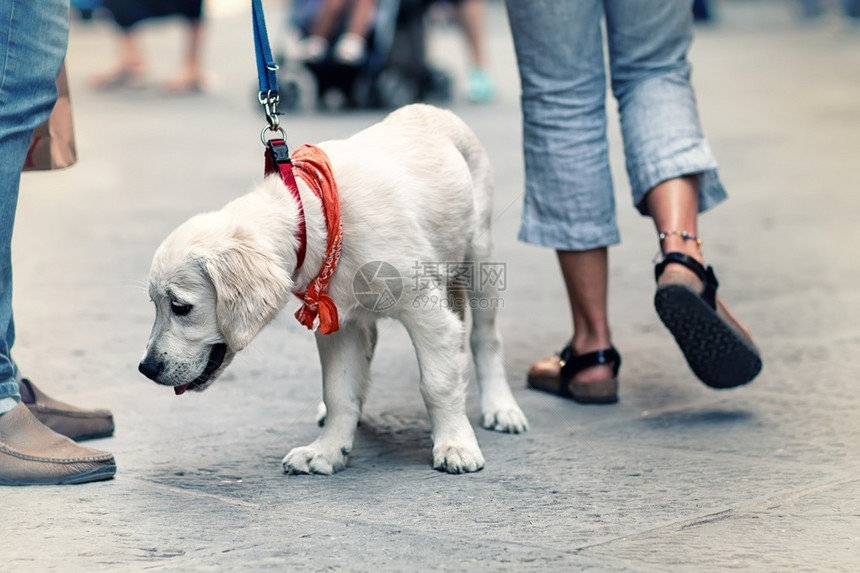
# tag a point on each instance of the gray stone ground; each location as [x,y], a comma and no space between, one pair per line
[674,477]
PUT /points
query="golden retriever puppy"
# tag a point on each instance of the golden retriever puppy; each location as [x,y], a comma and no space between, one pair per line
[415,193]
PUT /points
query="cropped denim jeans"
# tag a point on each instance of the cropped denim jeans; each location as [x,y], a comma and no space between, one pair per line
[569,202]
[33,39]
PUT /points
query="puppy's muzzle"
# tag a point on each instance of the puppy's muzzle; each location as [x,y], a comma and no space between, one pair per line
[151,367]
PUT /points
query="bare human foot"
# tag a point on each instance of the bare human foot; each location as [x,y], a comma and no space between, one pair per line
[123,76]
[550,367]
[184,83]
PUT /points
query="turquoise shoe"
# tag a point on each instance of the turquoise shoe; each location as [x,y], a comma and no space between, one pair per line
[481,88]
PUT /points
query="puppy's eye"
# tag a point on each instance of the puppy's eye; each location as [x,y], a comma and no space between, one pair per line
[180,309]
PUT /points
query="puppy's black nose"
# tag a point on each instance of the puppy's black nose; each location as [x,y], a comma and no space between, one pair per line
[150,368]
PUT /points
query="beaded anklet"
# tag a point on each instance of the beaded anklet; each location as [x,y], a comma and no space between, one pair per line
[684,235]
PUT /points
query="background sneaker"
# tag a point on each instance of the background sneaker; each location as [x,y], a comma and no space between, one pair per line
[481,88]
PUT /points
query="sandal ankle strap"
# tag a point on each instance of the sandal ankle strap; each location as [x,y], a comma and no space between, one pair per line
[573,363]
[706,275]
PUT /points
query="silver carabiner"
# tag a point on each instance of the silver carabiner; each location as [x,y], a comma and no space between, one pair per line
[270,101]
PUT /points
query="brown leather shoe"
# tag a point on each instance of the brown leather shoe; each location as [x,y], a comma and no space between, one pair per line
[33,454]
[75,423]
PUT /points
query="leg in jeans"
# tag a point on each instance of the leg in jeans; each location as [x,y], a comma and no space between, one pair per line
[672,171]
[32,48]
[10,393]
[31,54]
[673,178]
[569,202]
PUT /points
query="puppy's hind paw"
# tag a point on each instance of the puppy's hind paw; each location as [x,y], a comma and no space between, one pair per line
[507,420]
[321,414]
[457,459]
[314,460]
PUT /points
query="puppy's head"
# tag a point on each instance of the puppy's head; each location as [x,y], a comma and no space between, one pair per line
[214,288]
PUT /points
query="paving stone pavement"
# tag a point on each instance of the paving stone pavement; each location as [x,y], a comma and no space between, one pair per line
[676,477]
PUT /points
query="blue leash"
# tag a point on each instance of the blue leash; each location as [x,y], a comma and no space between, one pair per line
[266,71]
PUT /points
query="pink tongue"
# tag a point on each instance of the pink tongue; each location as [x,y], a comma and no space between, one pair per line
[181,389]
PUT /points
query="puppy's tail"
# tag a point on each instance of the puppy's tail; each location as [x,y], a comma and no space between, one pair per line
[476,157]
[478,160]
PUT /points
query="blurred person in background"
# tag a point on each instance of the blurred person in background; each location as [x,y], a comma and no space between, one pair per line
[702,11]
[350,47]
[470,19]
[481,87]
[813,9]
[130,69]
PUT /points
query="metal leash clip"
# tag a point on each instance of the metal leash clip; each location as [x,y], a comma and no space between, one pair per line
[269,100]
[266,73]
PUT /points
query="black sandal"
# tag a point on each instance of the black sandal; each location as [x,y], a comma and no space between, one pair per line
[716,346]
[597,392]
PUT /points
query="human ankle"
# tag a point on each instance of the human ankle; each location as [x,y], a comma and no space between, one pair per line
[681,242]
[591,342]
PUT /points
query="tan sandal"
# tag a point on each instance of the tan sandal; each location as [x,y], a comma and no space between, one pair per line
[559,380]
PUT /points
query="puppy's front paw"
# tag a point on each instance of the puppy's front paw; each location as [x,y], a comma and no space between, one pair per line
[314,460]
[321,414]
[510,420]
[457,459]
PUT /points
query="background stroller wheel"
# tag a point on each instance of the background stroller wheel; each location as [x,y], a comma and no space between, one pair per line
[332,99]
[436,86]
[362,94]
[290,95]
[395,89]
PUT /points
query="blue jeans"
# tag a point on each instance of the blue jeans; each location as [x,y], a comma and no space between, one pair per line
[569,202]
[33,40]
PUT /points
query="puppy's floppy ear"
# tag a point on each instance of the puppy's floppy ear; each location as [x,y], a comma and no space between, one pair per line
[251,287]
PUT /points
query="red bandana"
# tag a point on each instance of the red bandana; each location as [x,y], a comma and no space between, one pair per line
[313,166]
